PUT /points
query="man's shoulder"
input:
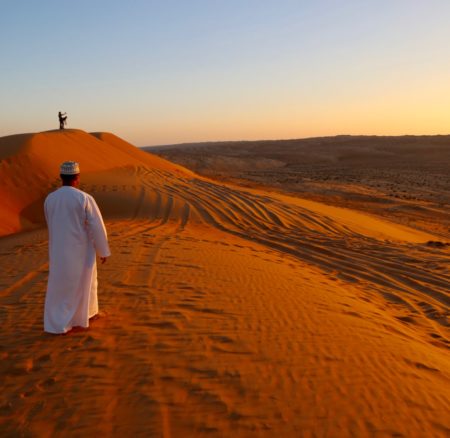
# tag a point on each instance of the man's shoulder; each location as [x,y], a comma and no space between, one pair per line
[67,192]
[52,195]
[86,197]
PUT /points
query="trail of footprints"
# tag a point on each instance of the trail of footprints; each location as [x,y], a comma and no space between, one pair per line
[395,271]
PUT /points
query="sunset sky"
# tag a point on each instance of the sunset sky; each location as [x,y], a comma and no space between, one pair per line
[161,72]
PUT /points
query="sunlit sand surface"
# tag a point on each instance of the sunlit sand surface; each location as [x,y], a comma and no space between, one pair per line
[225,311]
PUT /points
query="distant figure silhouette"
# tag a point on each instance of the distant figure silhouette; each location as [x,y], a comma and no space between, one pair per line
[62,119]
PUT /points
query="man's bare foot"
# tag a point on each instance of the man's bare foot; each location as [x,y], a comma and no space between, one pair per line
[97,316]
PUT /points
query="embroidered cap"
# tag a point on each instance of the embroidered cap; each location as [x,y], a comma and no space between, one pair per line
[69,168]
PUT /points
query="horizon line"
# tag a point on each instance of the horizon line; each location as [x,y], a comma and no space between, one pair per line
[291,139]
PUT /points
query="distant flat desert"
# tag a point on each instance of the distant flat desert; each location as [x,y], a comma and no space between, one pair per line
[278,288]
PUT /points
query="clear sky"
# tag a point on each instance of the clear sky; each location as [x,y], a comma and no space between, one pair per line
[169,71]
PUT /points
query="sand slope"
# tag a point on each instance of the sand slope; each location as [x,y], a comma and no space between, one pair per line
[225,311]
[403,178]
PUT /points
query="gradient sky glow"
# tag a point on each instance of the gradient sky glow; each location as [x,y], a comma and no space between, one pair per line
[171,71]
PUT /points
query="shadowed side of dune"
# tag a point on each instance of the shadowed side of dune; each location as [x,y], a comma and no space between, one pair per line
[29,168]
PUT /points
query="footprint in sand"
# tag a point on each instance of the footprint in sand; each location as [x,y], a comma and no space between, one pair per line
[221,338]
[164,325]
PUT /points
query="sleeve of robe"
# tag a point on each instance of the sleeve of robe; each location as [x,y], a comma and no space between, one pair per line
[97,228]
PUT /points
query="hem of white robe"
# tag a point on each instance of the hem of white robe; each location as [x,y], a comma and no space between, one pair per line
[71,327]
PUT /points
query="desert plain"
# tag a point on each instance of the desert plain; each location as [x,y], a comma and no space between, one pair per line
[291,289]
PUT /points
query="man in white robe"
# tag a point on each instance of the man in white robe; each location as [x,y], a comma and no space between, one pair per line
[76,234]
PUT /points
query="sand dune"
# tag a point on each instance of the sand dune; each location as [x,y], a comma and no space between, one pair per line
[225,311]
[29,162]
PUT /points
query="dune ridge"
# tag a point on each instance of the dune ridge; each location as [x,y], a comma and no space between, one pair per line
[226,310]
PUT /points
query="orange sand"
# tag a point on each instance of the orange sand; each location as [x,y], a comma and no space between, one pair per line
[225,312]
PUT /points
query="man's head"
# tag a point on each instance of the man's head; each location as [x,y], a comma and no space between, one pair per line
[70,173]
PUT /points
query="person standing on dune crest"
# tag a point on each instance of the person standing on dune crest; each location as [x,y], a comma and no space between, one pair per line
[62,117]
[76,234]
